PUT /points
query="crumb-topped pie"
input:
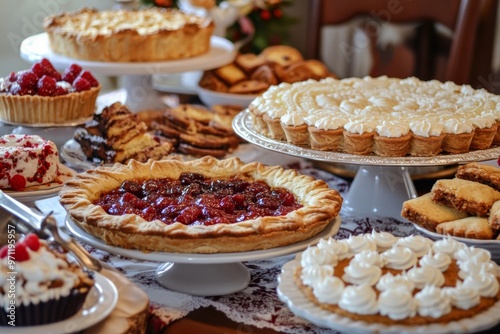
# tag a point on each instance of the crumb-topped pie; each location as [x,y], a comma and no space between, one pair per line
[153,34]
[200,206]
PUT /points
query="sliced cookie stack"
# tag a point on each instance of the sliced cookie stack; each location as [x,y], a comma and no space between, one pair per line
[198,131]
[465,206]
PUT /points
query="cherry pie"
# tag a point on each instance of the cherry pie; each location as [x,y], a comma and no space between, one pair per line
[200,206]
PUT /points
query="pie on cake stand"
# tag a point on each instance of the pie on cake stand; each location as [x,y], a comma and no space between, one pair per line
[380,185]
[202,274]
[137,76]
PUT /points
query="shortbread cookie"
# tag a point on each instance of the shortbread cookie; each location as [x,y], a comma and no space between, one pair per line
[427,213]
[470,227]
[470,197]
[485,174]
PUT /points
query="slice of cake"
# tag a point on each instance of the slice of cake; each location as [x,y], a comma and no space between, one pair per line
[470,197]
[429,214]
[27,160]
[116,135]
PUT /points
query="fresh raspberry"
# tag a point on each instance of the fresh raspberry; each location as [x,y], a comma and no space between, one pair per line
[46,86]
[87,75]
[498,161]
[12,76]
[37,68]
[16,89]
[17,182]
[4,251]
[27,79]
[71,73]
[21,252]
[80,84]
[49,69]
[32,241]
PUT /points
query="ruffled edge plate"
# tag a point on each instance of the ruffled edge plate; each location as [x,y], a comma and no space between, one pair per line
[300,305]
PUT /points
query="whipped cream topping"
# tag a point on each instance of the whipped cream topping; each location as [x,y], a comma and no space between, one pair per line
[33,157]
[440,261]
[43,277]
[360,299]
[432,302]
[419,287]
[426,275]
[389,106]
[397,304]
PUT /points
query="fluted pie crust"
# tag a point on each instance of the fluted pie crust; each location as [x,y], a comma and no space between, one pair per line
[143,35]
[320,205]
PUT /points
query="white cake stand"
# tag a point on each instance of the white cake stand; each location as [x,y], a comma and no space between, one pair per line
[202,274]
[380,185]
[137,76]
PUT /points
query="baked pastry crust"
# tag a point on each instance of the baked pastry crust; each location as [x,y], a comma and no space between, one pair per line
[485,174]
[320,205]
[381,116]
[153,34]
[429,214]
[473,198]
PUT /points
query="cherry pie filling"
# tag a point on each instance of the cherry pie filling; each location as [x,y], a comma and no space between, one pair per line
[194,199]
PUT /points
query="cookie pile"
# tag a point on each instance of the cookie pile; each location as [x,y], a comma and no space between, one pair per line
[253,74]
[196,130]
[466,206]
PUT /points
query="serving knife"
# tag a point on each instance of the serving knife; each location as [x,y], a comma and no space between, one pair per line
[45,226]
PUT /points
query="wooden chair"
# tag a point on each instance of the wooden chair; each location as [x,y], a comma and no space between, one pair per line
[421,59]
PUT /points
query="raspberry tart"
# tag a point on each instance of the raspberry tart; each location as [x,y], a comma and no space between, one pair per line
[41,95]
[200,206]
[153,34]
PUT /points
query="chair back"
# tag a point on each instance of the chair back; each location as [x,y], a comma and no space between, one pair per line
[460,17]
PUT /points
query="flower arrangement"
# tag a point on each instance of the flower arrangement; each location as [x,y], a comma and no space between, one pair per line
[261,22]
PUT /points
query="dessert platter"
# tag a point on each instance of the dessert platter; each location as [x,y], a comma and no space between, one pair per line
[324,285]
[202,274]
[387,177]
[384,124]
[240,211]
[463,208]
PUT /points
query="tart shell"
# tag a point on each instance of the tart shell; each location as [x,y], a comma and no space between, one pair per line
[320,206]
[35,109]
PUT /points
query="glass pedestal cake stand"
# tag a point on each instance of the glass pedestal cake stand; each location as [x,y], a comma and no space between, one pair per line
[380,185]
[137,76]
[202,274]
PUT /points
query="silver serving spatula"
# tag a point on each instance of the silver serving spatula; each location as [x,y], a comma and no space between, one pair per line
[45,226]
